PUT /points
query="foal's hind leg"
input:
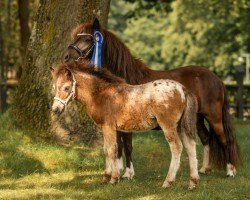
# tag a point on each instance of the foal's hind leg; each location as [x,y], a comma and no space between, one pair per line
[176,149]
[204,137]
[190,146]
[127,139]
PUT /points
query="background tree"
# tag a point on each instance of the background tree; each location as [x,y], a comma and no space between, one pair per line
[49,38]
[209,33]
[23,14]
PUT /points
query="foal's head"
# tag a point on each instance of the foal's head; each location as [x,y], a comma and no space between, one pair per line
[64,87]
[65,83]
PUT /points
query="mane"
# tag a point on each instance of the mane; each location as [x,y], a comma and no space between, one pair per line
[85,67]
[117,57]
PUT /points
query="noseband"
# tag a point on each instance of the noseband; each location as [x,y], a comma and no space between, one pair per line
[71,95]
[81,53]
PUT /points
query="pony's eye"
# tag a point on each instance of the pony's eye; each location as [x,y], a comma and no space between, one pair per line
[87,40]
[66,89]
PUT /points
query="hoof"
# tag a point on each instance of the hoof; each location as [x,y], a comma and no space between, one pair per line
[106,178]
[230,175]
[204,170]
[114,181]
[193,182]
[129,173]
[231,171]
[167,184]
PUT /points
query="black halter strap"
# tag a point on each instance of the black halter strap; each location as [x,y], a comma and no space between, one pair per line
[81,53]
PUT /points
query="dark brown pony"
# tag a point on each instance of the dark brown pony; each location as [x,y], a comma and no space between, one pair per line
[220,145]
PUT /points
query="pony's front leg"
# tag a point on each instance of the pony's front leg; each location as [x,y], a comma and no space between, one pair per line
[112,172]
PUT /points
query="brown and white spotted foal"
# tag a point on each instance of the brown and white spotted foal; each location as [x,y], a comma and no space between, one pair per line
[117,106]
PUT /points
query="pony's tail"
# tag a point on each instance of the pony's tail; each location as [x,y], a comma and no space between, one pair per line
[189,117]
[218,151]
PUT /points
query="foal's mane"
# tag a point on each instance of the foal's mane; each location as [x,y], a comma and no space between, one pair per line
[116,56]
[85,67]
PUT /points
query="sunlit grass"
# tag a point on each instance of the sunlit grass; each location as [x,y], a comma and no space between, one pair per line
[32,169]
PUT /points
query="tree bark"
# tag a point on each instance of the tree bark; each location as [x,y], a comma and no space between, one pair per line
[49,38]
[3,95]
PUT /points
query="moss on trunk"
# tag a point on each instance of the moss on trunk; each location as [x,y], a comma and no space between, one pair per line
[49,38]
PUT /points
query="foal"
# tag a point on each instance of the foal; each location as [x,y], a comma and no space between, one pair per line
[117,106]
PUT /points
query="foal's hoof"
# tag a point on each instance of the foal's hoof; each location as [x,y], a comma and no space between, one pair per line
[204,170]
[193,183]
[167,184]
[106,178]
[114,180]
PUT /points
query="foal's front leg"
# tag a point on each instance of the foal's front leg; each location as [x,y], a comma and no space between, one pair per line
[112,173]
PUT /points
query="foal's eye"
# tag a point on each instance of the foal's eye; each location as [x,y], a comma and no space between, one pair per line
[66,89]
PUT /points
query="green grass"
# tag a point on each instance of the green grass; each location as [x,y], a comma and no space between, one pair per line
[33,169]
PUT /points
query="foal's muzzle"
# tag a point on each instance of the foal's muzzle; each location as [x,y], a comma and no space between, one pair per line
[57,108]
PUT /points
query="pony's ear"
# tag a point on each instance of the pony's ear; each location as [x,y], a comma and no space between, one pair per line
[96,24]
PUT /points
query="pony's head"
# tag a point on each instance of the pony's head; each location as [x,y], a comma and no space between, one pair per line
[83,42]
[64,88]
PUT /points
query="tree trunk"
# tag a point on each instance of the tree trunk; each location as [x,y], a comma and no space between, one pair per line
[49,38]
[23,14]
[3,94]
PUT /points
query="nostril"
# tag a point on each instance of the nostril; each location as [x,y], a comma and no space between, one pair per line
[55,110]
[66,58]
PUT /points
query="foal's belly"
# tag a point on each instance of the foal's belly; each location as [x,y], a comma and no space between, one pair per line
[137,124]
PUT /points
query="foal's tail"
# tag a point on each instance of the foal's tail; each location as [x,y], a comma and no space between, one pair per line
[188,120]
[219,152]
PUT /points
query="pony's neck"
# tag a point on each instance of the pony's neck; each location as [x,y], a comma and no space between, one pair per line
[119,60]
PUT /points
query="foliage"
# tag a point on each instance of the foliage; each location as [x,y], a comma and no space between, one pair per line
[209,33]
[33,169]
[11,31]
[142,33]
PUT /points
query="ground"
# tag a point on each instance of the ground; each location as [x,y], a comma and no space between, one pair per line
[35,169]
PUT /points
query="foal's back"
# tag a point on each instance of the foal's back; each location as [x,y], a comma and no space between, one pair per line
[144,105]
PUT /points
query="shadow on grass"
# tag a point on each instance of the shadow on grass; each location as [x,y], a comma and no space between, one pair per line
[13,162]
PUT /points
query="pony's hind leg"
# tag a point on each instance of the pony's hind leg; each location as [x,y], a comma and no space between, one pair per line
[176,149]
[127,139]
[204,137]
[190,146]
[120,146]
[112,172]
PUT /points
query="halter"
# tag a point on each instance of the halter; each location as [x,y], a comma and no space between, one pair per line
[81,53]
[71,95]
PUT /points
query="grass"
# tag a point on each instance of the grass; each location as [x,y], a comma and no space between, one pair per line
[33,169]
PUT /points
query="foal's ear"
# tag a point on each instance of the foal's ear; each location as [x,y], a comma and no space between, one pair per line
[52,70]
[96,24]
[68,72]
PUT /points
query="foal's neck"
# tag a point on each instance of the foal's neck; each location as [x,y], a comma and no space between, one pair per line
[89,88]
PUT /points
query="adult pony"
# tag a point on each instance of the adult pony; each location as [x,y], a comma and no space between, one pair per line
[220,145]
[115,105]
